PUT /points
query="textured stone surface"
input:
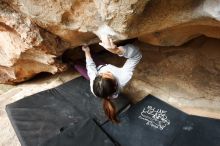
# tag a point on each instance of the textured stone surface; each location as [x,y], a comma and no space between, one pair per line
[75,20]
[26,49]
[171,22]
[159,22]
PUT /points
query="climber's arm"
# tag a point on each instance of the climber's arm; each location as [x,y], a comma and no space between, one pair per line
[108,44]
[90,65]
[133,56]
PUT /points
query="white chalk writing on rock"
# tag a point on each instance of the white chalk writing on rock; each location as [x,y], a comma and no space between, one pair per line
[155,117]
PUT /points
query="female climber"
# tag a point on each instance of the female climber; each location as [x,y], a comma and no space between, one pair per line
[107,80]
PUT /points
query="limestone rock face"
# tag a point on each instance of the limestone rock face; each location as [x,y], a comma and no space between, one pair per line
[176,22]
[76,21]
[159,22]
[25,49]
[187,76]
[189,71]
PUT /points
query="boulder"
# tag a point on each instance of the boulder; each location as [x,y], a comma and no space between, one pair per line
[158,22]
[71,23]
[25,48]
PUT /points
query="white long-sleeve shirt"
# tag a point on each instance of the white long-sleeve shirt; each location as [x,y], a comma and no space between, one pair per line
[122,74]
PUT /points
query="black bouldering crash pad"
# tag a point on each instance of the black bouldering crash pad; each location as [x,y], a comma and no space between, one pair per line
[39,117]
[199,131]
[85,133]
[152,122]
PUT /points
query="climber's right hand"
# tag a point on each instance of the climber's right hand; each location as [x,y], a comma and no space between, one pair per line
[85,48]
[107,43]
